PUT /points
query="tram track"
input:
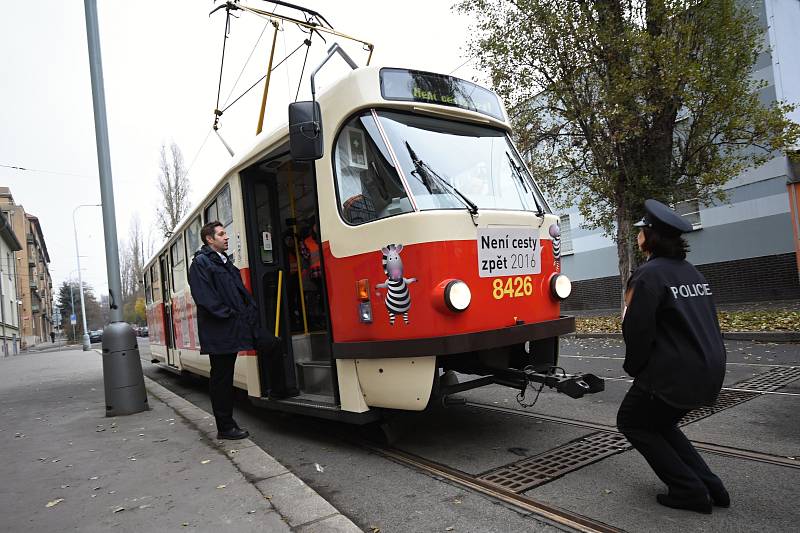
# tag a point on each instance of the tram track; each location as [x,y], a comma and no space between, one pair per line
[549,513]
[718,449]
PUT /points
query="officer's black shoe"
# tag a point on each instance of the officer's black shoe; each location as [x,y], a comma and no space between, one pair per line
[699,505]
[720,498]
[233,434]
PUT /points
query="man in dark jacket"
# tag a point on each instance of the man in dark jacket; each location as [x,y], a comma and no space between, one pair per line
[226,321]
[674,352]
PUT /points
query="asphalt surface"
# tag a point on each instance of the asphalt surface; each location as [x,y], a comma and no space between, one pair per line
[620,490]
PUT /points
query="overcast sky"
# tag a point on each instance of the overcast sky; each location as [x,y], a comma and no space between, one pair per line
[161,67]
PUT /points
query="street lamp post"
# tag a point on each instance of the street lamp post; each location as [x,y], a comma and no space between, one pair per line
[122,369]
[86,342]
[72,301]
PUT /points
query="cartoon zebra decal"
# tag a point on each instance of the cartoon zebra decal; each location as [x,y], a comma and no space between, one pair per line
[555,233]
[398,298]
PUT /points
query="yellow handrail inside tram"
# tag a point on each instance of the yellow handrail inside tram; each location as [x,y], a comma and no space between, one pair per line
[297,248]
[278,303]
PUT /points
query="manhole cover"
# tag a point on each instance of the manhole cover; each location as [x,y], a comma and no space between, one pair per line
[770,380]
[537,470]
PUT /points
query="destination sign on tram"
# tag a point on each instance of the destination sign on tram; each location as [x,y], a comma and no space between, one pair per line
[418,86]
[508,252]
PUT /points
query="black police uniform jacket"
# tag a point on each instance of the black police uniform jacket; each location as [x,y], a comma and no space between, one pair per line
[226,312]
[674,346]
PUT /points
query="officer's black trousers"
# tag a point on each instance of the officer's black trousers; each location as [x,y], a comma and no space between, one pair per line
[221,389]
[651,427]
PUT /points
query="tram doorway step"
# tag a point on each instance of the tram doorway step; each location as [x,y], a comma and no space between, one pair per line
[314,346]
[315,377]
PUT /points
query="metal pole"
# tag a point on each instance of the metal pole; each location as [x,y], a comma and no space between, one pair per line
[266,83]
[86,342]
[72,300]
[122,369]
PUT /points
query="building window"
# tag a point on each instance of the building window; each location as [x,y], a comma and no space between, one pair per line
[566,235]
[690,210]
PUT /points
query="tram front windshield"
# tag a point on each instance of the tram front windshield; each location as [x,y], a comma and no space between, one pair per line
[449,165]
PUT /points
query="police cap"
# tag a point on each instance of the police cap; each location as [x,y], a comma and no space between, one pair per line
[663,219]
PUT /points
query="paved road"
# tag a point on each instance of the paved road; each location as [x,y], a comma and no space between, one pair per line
[619,490]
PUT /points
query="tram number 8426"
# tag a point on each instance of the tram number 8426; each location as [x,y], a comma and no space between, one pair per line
[514,287]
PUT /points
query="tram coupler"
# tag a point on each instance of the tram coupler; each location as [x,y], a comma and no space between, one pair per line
[573,385]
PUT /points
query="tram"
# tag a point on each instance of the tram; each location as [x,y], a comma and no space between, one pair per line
[393,239]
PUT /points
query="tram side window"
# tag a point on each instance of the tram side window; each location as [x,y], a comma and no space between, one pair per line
[148,295]
[178,272]
[368,184]
[222,210]
[193,242]
[154,282]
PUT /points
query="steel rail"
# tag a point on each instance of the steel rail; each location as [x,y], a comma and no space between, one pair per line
[549,513]
[719,449]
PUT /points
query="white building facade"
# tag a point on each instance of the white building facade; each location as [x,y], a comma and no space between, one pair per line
[9,306]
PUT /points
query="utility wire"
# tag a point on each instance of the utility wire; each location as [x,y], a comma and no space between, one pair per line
[461,65]
[262,78]
[228,99]
[15,167]
[224,42]
[194,159]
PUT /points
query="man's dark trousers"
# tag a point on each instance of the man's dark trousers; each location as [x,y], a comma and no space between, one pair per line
[650,425]
[221,389]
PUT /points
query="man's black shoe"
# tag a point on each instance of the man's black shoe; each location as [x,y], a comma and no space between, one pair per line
[721,498]
[698,505]
[233,434]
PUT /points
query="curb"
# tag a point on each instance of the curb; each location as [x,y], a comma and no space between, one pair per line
[301,507]
[755,336]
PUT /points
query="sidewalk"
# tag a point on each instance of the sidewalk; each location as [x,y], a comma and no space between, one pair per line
[66,467]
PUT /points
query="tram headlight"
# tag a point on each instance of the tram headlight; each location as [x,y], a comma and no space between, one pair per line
[457,295]
[560,286]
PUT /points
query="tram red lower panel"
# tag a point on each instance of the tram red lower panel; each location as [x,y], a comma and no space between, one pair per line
[494,303]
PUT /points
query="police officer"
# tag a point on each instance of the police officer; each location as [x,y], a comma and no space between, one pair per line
[674,352]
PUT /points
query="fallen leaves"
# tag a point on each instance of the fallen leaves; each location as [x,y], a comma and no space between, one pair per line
[775,320]
[54,502]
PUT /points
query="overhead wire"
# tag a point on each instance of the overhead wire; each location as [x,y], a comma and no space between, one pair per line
[239,77]
[197,154]
[262,78]
[249,57]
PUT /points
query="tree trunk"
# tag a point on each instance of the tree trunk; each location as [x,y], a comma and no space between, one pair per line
[624,246]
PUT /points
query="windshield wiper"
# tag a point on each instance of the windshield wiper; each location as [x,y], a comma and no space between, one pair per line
[521,178]
[425,172]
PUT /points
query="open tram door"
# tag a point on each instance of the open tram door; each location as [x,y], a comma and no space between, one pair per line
[280,205]
[166,299]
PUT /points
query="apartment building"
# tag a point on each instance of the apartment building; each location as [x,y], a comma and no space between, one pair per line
[9,310]
[34,286]
[747,247]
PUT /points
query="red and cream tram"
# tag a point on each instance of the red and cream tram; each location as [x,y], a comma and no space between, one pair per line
[390,233]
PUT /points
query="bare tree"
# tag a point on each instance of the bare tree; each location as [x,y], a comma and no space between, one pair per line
[173,186]
[136,247]
[132,263]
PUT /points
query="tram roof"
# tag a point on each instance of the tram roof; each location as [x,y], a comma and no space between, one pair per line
[358,89]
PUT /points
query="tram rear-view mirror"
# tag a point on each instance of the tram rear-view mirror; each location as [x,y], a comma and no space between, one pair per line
[305,131]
